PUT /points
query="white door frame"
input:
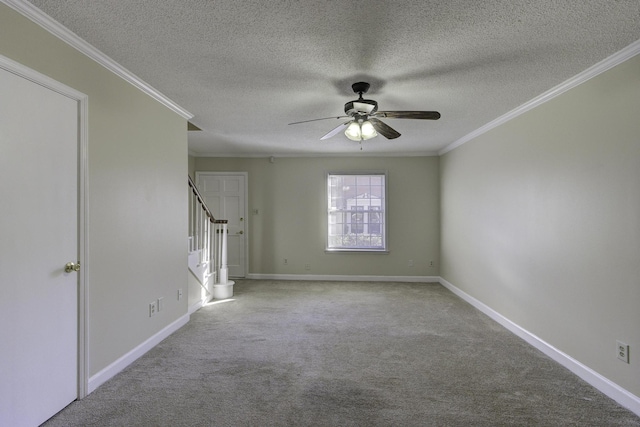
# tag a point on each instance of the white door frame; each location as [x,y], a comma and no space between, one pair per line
[246,210]
[83,206]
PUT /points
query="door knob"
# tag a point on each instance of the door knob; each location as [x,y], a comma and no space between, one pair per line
[240,232]
[71,266]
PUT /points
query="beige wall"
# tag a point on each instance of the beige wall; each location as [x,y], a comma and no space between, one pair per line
[541,221]
[290,197]
[137,193]
[192,167]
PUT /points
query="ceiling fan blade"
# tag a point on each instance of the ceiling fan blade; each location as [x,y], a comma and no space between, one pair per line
[315,120]
[336,130]
[421,115]
[384,129]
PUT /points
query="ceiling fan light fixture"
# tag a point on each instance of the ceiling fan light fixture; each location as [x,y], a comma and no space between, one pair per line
[367,130]
[353,131]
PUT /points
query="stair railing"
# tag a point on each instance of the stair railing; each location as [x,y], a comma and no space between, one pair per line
[208,236]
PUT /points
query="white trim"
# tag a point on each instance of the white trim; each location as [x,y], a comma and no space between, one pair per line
[83,249]
[308,155]
[83,205]
[617,58]
[64,34]
[344,278]
[197,306]
[116,367]
[606,386]
[39,78]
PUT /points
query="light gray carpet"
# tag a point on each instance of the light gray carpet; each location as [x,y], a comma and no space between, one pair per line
[343,354]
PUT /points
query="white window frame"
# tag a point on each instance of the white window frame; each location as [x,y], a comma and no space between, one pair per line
[331,211]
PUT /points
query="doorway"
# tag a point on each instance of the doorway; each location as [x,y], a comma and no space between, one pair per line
[43,142]
[225,194]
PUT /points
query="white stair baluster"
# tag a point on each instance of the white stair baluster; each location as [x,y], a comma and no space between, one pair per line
[224,274]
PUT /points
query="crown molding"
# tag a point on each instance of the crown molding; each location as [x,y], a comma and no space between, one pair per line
[312,155]
[45,21]
[617,58]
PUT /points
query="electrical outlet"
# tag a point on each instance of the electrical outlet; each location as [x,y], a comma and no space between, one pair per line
[307,266]
[179,294]
[286,261]
[430,263]
[152,309]
[410,263]
[160,304]
[623,351]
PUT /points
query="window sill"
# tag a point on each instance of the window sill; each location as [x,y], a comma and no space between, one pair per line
[361,251]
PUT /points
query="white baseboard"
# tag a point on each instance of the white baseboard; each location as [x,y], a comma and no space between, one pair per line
[199,304]
[344,278]
[110,371]
[196,306]
[606,386]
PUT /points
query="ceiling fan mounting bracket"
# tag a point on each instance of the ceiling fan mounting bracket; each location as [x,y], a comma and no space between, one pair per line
[360,88]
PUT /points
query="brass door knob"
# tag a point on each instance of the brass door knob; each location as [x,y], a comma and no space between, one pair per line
[71,266]
[240,232]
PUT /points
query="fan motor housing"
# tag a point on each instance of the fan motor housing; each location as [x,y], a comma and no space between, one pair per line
[360,106]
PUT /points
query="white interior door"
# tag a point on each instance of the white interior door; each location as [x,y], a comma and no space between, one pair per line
[225,195]
[39,140]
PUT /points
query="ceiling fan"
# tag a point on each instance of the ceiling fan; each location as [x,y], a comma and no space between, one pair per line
[364,122]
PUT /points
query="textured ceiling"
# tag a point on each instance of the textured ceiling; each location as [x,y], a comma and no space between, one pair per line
[246,69]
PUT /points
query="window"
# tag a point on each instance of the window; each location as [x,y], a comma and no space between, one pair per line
[356,212]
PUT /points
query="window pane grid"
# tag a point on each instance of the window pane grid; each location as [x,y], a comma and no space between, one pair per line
[356,217]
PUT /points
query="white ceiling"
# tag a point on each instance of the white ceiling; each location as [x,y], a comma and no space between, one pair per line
[246,69]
